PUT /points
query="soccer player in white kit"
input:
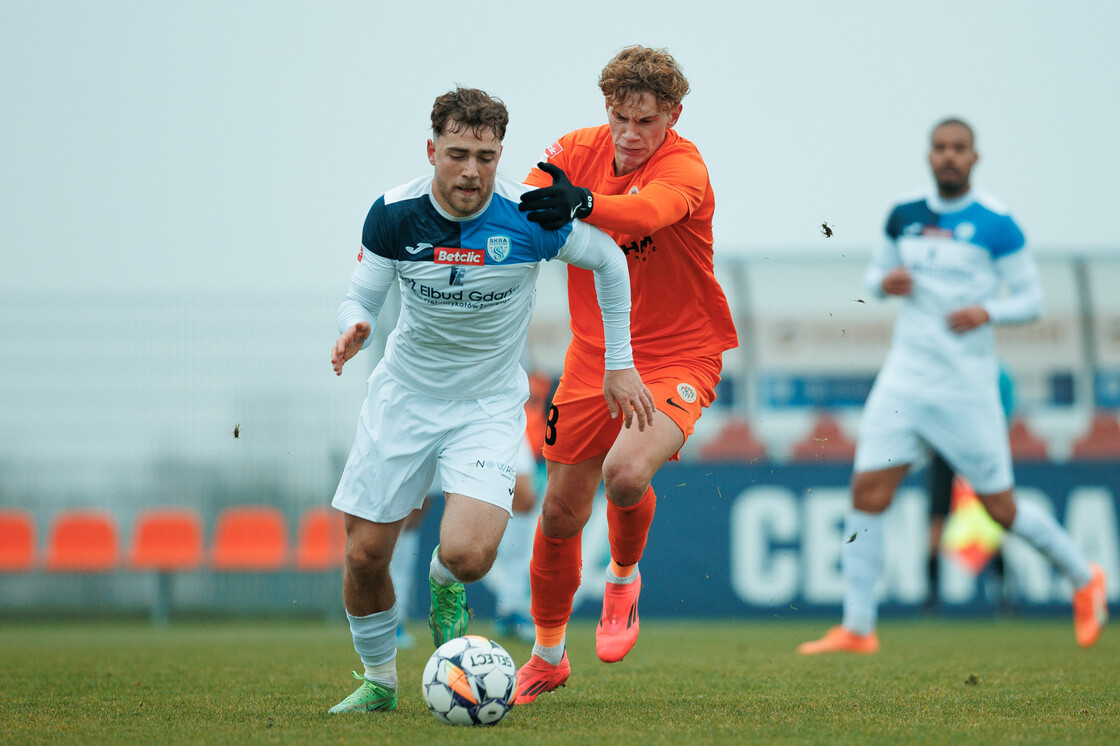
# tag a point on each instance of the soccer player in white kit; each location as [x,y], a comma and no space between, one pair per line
[449,393]
[947,254]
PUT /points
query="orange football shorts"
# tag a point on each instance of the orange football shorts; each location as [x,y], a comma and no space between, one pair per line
[579,425]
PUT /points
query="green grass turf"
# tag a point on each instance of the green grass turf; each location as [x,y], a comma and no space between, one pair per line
[953,681]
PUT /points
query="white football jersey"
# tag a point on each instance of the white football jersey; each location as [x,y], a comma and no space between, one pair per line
[468,288]
[959,253]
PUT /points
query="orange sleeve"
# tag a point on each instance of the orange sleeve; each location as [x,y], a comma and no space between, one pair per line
[656,207]
[538,178]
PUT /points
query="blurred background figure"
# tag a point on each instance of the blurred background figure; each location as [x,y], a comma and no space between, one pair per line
[940,484]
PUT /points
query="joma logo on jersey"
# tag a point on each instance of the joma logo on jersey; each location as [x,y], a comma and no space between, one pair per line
[553,150]
[471,257]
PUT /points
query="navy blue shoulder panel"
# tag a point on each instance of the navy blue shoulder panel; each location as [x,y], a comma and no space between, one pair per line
[909,213]
[408,230]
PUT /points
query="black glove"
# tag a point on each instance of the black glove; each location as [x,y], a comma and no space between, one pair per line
[556,206]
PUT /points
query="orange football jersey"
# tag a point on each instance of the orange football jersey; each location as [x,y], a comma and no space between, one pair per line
[661,217]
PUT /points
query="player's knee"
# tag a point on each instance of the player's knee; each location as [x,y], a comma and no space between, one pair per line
[561,520]
[469,563]
[625,481]
[365,558]
[1000,506]
[873,492]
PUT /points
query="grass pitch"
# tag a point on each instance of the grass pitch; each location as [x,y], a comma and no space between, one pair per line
[988,681]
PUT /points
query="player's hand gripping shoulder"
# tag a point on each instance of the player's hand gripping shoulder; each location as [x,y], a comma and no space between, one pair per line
[555,206]
[625,392]
[348,345]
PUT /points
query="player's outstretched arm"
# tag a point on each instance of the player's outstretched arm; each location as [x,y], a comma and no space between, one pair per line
[557,205]
[348,345]
[624,391]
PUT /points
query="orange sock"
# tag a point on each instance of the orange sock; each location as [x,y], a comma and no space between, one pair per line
[550,637]
[628,529]
[554,576]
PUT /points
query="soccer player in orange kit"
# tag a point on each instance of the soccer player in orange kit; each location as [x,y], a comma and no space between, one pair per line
[648,188]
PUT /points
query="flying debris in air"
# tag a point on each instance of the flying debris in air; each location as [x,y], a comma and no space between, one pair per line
[826,230]
[237,430]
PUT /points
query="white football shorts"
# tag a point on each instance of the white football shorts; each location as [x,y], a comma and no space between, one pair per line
[404,439]
[970,432]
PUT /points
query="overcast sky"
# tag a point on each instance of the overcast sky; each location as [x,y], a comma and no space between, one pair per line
[239,144]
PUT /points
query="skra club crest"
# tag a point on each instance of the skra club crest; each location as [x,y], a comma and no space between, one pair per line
[497,247]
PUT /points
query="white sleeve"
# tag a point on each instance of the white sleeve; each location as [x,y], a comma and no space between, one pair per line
[885,259]
[369,285]
[1024,303]
[590,248]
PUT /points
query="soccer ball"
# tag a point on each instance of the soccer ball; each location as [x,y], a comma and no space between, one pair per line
[470,680]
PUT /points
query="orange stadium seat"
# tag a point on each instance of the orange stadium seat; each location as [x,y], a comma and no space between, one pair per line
[1102,442]
[826,442]
[249,538]
[166,539]
[17,540]
[82,541]
[734,442]
[321,539]
[1025,444]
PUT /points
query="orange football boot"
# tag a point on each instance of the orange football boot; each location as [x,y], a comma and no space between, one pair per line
[539,676]
[840,640]
[618,626]
[1090,609]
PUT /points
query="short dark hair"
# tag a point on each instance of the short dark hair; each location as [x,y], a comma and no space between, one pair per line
[957,121]
[470,108]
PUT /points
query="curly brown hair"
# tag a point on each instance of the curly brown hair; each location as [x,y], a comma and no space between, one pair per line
[470,108]
[636,70]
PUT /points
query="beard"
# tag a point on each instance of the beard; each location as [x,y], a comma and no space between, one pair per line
[951,183]
[463,205]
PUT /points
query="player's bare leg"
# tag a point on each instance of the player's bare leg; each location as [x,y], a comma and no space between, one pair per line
[469,533]
[371,608]
[1045,534]
[862,561]
[627,471]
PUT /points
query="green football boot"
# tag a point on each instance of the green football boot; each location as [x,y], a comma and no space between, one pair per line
[448,617]
[367,698]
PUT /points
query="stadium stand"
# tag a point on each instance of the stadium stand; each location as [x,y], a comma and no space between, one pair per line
[1101,442]
[734,442]
[252,537]
[82,541]
[1025,444]
[17,541]
[827,441]
[166,540]
[320,539]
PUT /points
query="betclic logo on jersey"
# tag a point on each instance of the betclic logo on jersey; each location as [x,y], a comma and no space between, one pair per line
[467,257]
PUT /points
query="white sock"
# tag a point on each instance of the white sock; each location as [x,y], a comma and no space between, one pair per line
[612,578]
[552,655]
[862,561]
[514,553]
[384,674]
[402,569]
[1046,535]
[439,573]
[375,640]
